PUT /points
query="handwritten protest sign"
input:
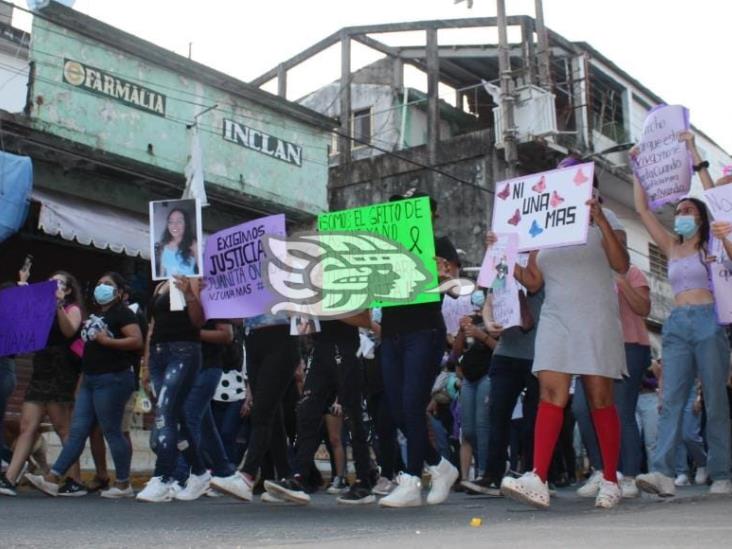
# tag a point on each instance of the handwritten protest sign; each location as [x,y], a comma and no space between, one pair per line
[663,165]
[498,262]
[722,285]
[233,269]
[719,202]
[506,306]
[546,209]
[455,309]
[406,222]
[26,318]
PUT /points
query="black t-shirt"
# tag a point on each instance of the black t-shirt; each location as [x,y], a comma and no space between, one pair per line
[213,353]
[99,359]
[170,325]
[337,331]
[424,316]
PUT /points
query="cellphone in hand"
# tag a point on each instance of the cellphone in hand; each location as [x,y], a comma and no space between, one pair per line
[27,263]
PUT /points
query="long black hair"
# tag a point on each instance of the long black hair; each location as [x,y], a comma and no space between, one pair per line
[704,225]
[118,280]
[184,248]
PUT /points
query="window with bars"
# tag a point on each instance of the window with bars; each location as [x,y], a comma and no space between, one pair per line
[658,261]
[361,127]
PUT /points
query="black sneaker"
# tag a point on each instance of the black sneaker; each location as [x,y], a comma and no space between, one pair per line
[357,494]
[290,489]
[72,489]
[7,488]
[482,486]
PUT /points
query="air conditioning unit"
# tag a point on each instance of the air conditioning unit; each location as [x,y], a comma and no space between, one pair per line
[534,115]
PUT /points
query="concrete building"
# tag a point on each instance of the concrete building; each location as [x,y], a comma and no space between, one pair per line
[532,101]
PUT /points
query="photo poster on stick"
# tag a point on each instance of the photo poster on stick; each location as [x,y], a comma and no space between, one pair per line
[499,262]
[546,210]
[26,318]
[407,222]
[663,165]
[506,306]
[176,240]
[234,285]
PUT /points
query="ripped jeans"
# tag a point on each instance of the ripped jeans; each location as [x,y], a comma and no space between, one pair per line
[173,369]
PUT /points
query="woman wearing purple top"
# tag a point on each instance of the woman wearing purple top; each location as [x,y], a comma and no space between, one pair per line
[694,344]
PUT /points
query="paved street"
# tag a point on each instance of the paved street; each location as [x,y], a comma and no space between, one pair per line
[693,519]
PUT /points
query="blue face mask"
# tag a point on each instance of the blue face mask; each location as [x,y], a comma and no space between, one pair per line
[104,294]
[685,225]
[477,299]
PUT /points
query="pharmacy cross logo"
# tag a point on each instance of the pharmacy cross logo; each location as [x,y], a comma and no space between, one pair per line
[331,275]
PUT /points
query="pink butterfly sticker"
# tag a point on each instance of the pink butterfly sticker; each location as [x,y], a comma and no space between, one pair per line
[555,200]
[503,195]
[516,218]
[540,187]
[580,178]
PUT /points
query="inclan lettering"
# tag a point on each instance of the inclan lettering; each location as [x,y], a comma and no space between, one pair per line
[261,142]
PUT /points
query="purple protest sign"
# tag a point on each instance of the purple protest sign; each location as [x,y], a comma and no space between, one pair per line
[722,284]
[233,269]
[26,317]
[663,164]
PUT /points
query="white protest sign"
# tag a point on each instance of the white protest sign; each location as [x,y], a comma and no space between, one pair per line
[546,210]
[499,262]
[719,202]
[663,165]
[507,307]
[722,285]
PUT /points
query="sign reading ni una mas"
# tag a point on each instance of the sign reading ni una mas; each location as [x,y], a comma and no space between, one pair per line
[261,142]
[105,84]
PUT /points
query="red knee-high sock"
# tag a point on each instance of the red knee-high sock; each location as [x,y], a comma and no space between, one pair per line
[549,420]
[607,427]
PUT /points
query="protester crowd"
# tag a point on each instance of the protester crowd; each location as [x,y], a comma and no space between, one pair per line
[434,395]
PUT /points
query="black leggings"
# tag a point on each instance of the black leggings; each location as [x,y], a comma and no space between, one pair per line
[272,357]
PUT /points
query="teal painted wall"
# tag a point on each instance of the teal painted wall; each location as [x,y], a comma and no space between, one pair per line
[96,120]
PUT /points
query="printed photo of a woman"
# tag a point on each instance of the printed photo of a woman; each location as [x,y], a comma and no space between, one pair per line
[176,252]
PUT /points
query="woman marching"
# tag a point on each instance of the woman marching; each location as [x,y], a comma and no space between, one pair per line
[112,341]
[694,344]
[576,337]
[52,386]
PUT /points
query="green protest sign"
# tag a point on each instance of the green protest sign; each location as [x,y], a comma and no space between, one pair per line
[392,256]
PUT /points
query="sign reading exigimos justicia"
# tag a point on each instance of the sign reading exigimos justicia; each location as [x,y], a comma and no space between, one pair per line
[103,83]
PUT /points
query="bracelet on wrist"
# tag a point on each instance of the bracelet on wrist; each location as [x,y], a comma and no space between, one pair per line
[701,166]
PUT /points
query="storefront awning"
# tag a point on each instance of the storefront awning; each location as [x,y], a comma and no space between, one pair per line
[91,223]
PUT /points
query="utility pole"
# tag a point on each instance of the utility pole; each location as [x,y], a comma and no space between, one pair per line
[543,53]
[344,143]
[510,149]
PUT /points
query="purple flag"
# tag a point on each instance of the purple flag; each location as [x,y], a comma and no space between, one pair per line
[233,269]
[26,317]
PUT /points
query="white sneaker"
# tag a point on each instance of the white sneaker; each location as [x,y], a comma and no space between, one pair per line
[156,491]
[722,487]
[175,489]
[591,486]
[682,480]
[211,493]
[528,488]
[37,481]
[408,492]
[383,487]
[628,487]
[266,497]
[196,486]
[235,485]
[656,483]
[117,493]
[609,495]
[701,476]
[444,475]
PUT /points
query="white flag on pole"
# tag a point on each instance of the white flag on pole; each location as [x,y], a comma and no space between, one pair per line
[194,170]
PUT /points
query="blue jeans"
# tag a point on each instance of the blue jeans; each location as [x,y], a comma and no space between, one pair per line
[101,398]
[173,369]
[625,395]
[474,406]
[694,346]
[7,386]
[409,363]
[228,423]
[197,415]
[691,440]
[647,416]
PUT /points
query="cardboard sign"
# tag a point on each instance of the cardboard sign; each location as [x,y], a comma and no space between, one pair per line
[26,318]
[233,269]
[175,238]
[405,222]
[499,262]
[722,286]
[546,210]
[663,165]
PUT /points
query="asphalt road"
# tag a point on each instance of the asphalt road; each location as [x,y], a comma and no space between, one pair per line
[692,519]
